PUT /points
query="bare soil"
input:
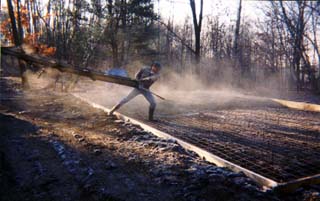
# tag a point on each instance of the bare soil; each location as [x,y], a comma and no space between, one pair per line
[277,142]
[55,147]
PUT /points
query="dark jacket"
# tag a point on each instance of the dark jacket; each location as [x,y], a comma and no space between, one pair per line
[146,77]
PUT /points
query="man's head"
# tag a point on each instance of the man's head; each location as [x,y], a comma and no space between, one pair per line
[155,67]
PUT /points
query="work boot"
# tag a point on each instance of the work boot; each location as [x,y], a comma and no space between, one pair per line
[151,111]
[114,109]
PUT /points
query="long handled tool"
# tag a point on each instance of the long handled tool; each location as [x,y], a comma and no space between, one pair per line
[144,89]
[157,95]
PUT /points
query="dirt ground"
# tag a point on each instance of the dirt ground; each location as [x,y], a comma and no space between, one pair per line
[256,133]
[55,147]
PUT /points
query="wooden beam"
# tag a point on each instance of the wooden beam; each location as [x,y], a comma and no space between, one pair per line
[298,105]
[48,62]
[291,186]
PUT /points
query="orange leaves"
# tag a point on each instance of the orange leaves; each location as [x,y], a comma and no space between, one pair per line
[24,13]
[5,29]
[25,22]
[31,38]
[48,15]
[31,35]
[47,51]
[39,48]
[5,24]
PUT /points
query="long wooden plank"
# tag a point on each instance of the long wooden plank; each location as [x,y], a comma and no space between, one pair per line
[291,186]
[47,62]
[298,105]
[263,181]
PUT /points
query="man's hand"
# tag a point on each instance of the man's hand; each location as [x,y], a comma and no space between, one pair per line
[153,78]
[140,84]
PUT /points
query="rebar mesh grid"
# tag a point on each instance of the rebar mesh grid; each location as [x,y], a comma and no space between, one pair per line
[278,143]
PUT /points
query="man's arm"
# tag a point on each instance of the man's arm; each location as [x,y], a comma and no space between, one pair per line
[138,74]
[153,78]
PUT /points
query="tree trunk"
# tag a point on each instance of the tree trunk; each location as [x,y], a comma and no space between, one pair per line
[115,53]
[237,32]
[297,34]
[17,41]
[123,18]
[239,72]
[49,38]
[19,21]
[24,77]
[34,16]
[27,2]
[197,29]
[299,43]
[16,37]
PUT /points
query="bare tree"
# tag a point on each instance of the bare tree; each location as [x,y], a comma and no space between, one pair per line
[20,29]
[16,36]
[18,41]
[237,32]
[296,27]
[197,23]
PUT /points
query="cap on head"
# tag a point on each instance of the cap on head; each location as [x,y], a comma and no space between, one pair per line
[156,64]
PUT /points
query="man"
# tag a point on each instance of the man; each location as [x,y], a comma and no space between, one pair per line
[146,77]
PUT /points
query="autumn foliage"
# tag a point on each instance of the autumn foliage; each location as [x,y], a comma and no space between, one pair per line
[6,29]
[29,37]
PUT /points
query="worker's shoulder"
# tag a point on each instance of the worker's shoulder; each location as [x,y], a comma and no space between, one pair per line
[145,69]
